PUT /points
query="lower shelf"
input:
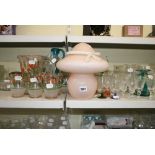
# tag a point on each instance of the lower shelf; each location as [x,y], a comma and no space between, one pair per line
[48,121]
[96,103]
[6,101]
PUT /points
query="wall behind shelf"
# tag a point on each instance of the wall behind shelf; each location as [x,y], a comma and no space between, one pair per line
[126,56]
[116,30]
[48,29]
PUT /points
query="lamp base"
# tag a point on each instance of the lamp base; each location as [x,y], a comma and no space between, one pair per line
[82,86]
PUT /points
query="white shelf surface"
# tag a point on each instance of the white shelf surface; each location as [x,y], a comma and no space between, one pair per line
[96,103]
[29,38]
[6,101]
[112,40]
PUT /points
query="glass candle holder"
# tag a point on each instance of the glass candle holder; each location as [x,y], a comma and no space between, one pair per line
[17,86]
[52,85]
[34,88]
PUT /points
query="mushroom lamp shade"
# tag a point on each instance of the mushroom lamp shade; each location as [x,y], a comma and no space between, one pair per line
[82,62]
[83,59]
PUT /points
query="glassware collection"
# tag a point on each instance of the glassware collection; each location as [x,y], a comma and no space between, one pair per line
[124,121]
[127,81]
[38,74]
[89,76]
[55,121]
[56,73]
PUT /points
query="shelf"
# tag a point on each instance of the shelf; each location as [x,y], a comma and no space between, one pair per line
[31,41]
[6,101]
[97,103]
[95,41]
[114,42]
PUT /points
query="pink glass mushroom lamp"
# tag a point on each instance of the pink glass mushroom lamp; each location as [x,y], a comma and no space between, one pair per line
[82,62]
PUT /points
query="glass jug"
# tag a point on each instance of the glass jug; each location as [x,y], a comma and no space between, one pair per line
[31,64]
[57,53]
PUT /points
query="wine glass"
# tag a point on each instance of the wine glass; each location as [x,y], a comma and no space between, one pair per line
[130,79]
[151,83]
[123,84]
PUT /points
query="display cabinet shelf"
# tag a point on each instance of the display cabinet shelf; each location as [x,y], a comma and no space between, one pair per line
[31,41]
[123,103]
[114,42]
[6,101]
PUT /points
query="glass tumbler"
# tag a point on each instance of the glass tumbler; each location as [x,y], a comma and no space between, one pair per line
[34,88]
[17,86]
[52,85]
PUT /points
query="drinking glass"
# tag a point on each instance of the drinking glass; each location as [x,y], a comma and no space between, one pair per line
[100,81]
[130,79]
[115,80]
[151,83]
[17,86]
[123,84]
[52,85]
[35,88]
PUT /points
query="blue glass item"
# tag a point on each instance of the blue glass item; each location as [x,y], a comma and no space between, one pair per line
[145,91]
[143,76]
[55,55]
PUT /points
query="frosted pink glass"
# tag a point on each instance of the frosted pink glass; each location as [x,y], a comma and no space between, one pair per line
[82,83]
[82,86]
[83,47]
[78,64]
